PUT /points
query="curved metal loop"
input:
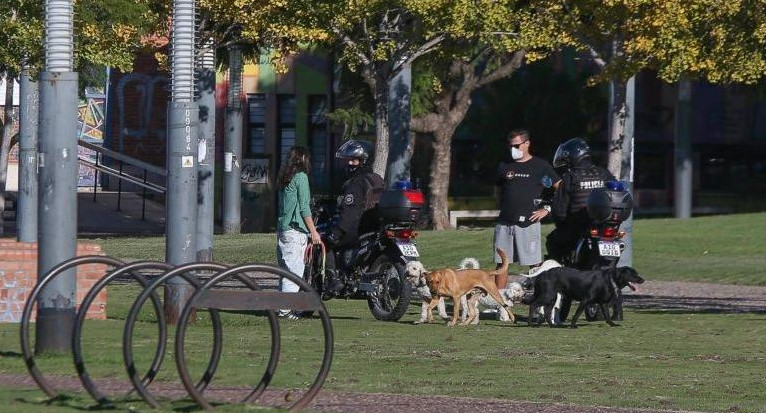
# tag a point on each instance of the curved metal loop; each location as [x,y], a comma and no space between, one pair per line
[127,343]
[159,354]
[205,296]
[32,299]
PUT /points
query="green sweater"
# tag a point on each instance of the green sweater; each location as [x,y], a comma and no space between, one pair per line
[294,204]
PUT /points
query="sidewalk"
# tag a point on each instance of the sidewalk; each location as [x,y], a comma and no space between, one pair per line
[101,217]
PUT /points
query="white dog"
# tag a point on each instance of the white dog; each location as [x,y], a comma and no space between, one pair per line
[513,292]
[415,271]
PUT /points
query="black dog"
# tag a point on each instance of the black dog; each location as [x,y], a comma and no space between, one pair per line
[587,287]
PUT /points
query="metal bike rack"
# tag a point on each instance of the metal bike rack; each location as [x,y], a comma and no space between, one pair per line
[214,300]
[26,315]
[131,270]
[271,301]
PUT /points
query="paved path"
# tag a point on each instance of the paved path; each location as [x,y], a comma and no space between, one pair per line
[331,401]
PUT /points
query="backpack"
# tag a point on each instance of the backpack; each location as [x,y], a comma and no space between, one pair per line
[374,190]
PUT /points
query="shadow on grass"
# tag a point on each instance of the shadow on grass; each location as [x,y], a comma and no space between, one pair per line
[10,354]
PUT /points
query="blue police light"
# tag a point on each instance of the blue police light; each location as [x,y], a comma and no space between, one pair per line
[404,185]
[614,186]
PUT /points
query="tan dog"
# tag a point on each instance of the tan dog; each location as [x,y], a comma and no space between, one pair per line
[456,283]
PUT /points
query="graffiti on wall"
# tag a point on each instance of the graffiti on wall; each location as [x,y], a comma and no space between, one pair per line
[255,171]
[90,128]
[138,118]
[13,298]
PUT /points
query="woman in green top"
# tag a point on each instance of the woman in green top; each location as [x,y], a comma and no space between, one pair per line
[295,224]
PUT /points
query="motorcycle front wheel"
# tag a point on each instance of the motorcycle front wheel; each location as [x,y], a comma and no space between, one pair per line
[393,297]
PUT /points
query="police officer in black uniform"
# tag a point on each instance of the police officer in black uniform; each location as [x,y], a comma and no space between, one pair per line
[354,215]
[578,177]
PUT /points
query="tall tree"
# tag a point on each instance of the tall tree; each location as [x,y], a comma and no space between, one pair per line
[383,38]
[507,38]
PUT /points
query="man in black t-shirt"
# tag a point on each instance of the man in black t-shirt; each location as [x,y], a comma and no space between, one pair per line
[520,181]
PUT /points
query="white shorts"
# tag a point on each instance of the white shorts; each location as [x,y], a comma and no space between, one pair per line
[521,245]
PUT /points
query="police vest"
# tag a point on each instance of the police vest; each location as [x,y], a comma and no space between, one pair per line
[583,181]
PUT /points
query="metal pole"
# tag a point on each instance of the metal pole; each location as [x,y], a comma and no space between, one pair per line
[29,117]
[206,154]
[232,156]
[57,207]
[143,199]
[399,93]
[119,188]
[682,191]
[626,171]
[183,119]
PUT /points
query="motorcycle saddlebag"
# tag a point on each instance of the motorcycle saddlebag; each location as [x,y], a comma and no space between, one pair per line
[401,206]
[605,205]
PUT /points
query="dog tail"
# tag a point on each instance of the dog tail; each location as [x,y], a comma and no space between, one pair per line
[504,266]
[469,263]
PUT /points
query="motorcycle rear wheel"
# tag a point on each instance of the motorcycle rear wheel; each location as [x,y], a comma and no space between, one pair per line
[392,301]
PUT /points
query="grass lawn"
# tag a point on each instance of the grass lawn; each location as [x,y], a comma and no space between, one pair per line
[657,359]
[719,249]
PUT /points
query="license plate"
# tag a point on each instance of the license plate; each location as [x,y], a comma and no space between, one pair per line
[407,248]
[609,249]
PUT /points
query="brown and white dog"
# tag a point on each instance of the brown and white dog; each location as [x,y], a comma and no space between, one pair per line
[454,284]
[415,269]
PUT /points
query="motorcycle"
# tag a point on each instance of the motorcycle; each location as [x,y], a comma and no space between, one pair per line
[374,269]
[601,246]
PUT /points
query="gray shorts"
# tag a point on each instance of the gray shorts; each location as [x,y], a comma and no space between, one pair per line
[521,245]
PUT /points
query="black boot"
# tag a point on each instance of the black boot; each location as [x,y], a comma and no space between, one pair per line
[333,285]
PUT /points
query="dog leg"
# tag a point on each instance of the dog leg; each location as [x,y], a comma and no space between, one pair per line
[606,316]
[423,313]
[442,309]
[455,311]
[577,313]
[503,315]
[464,312]
[431,304]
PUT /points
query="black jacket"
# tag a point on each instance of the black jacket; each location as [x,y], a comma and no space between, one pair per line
[361,192]
[570,200]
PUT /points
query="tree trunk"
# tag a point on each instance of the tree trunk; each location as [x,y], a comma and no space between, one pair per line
[440,175]
[5,145]
[617,135]
[380,92]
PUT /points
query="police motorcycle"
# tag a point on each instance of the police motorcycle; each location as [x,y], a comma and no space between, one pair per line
[601,246]
[375,268]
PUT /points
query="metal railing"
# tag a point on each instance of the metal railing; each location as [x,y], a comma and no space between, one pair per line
[142,181]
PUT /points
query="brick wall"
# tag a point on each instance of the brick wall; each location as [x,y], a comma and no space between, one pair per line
[18,276]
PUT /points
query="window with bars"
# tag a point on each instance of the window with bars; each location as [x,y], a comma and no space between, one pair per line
[256,120]
[286,121]
[317,139]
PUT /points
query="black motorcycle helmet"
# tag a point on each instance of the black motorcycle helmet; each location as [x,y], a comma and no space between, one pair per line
[571,153]
[354,149]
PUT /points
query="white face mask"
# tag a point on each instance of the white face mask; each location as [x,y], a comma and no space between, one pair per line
[516,154]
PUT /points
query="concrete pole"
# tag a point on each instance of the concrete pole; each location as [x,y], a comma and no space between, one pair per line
[626,171]
[399,157]
[206,154]
[232,149]
[57,158]
[183,120]
[28,122]
[682,191]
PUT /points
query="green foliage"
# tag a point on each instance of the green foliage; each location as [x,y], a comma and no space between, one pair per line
[353,120]
[720,41]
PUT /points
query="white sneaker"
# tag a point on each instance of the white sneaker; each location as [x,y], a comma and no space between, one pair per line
[287,314]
